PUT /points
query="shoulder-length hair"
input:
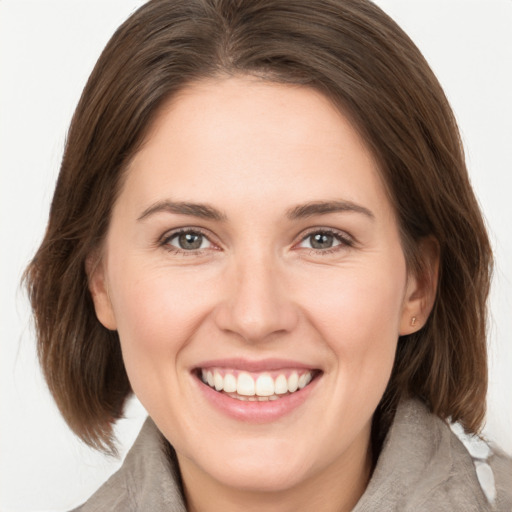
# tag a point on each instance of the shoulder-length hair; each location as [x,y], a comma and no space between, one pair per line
[359,58]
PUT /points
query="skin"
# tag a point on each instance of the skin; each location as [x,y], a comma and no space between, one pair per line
[256,289]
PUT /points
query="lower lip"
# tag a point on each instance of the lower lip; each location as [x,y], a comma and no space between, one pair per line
[256,412]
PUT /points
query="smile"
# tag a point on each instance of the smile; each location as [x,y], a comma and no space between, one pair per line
[256,392]
[261,387]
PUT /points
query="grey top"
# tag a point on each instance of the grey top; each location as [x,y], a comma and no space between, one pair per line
[422,467]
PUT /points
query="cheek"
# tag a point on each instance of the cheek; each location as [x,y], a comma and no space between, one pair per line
[358,312]
[156,317]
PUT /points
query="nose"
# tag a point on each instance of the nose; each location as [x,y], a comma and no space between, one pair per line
[257,305]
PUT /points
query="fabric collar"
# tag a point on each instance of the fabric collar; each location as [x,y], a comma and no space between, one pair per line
[422,467]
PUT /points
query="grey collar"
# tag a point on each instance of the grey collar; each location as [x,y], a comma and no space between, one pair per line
[422,467]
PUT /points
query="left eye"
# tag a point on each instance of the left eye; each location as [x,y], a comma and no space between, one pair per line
[321,240]
[189,241]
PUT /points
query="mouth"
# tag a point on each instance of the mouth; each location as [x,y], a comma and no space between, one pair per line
[256,386]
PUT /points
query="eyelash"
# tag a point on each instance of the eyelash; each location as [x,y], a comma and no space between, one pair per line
[343,239]
[167,237]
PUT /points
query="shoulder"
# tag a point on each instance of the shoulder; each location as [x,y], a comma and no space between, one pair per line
[113,495]
[147,480]
[424,466]
[493,469]
[501,466]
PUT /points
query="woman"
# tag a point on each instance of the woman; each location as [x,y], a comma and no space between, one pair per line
[263,227]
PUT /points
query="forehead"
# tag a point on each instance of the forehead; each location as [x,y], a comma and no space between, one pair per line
[254,139]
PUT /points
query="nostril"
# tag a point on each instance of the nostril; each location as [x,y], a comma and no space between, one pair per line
[257,323]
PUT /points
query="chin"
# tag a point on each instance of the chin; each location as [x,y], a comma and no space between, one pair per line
[248,466]
[261,476]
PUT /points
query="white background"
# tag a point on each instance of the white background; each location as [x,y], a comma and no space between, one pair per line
[47,50]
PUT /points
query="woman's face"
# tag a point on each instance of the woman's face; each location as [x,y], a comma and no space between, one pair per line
[253,245]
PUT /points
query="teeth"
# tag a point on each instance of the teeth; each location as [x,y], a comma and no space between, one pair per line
[229,383]
[302,381]
[281,385]
[218,381]
[265,385]
[245,384]
[244,387]
[293,382]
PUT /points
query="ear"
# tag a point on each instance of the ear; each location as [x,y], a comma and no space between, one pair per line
[421,288]
[98,286]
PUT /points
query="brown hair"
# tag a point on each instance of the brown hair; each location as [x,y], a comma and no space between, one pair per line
[357,56]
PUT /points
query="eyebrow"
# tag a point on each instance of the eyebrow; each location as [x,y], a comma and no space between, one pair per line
[205,211]
[326,207]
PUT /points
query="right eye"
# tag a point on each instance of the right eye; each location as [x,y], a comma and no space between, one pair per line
[187,241]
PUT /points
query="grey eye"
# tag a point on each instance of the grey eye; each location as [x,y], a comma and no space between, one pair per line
[189,241]
[321,240]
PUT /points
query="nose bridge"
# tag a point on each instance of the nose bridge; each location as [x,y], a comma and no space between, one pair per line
[257,304]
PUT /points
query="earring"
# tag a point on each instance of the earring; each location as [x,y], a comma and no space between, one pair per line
[413,321]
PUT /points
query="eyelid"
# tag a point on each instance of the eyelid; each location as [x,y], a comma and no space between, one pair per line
[346,240]
[163,241]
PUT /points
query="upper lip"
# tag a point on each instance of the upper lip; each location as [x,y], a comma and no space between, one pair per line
[264,365]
